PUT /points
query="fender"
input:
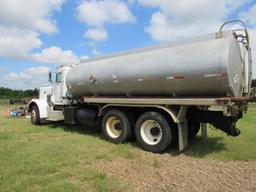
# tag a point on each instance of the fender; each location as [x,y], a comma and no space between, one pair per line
[42,107]
[172,112]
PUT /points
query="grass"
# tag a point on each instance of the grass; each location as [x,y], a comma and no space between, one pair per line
[56,157]
[221,146]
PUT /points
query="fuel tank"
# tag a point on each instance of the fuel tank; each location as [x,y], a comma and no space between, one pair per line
[205,66]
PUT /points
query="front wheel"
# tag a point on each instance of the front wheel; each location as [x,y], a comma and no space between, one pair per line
[35,118]
[154,132]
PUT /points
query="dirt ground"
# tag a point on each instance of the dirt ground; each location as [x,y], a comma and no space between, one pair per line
[4,113]
[182,173]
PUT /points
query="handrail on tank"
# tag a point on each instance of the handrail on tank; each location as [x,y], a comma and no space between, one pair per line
[242,36]
[246,36]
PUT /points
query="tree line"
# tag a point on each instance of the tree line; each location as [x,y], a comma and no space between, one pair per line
[7,93]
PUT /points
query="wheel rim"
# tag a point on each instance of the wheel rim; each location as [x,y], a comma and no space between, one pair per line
[33,115]
[151,132]
[114,127]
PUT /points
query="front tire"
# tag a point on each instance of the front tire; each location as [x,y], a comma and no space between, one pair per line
[35,117]
[116,126]
[154,132]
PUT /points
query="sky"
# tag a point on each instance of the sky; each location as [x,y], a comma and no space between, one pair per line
[36,36]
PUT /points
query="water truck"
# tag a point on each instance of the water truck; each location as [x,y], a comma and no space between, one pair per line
[159,95]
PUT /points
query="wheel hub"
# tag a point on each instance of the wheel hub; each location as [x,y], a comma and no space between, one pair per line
[118,126]
[155,131]
[114,127]
[151,132]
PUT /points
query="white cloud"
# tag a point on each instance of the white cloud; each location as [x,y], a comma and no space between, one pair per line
[96,13]
[30,14]
[163,28]
[250,17]
[19,44]
[22,22]
[30,78]
[55,55]
[29,73]
[178,19]
[160,27]
[201,10]
[96,51]
[96,34]
[16,43]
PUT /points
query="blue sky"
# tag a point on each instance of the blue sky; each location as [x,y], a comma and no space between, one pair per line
[36,36]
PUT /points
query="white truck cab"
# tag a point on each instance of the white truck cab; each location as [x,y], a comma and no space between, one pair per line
[43,109]
[59,96]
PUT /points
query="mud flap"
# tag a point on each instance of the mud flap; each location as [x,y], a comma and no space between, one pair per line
[183,135]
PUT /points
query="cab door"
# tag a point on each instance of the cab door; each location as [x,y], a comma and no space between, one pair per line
[58,88]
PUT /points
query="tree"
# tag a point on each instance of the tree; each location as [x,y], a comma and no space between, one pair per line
[7,93]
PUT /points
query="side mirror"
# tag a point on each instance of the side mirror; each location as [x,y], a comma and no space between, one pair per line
[50,76]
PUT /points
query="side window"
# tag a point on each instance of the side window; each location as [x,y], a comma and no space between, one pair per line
[58,77]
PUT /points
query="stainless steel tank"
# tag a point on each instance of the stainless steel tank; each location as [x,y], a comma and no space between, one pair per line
[204,66]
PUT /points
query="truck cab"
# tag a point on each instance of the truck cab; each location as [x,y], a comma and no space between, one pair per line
[59,86]
[51,98]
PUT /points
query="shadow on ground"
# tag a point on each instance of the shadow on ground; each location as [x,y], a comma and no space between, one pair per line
[83,129]
[196,147]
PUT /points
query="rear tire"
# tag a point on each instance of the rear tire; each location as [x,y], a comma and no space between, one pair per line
[116,126]
[35,117]
[153,132]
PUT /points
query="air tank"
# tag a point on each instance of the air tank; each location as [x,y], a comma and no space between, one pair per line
[205,66]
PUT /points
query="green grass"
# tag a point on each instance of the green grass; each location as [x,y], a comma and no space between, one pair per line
[56,157]
[221,146]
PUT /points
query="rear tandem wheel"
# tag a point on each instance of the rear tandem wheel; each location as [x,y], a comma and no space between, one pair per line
[154,132]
